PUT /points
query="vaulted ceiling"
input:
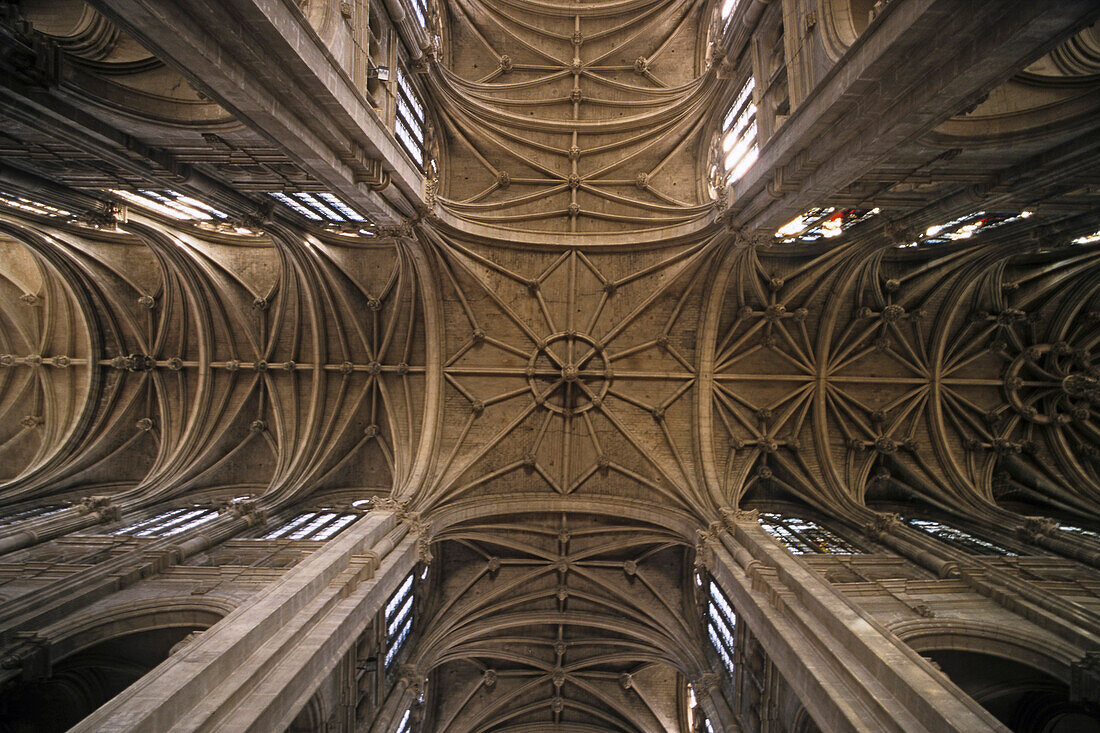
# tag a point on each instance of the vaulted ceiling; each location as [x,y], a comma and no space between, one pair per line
[577,351]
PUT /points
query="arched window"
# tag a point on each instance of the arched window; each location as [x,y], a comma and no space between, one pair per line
[958,538]
[804,536]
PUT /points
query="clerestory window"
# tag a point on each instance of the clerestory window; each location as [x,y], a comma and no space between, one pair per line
[958,538]
[406,722]
[722,628]
[739,148]
[399,618]
[170,523]
[409,125]
[316,526]
[804,536]
[822,223]
[33,513]
[319,207]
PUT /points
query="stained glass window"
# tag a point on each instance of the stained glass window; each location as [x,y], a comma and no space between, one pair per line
[739,147]
[805,537]
[966,226]
[822,223]
[316,526]
[958,538]
[1088,238]
[399,619]
[170,523]
[409,125]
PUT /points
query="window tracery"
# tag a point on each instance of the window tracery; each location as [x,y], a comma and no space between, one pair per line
[804,536]
[958,538]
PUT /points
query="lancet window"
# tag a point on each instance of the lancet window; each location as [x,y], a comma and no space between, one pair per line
[804,536]
[169,523]
[958,538]
[316,526]
[399,618]
[409,125]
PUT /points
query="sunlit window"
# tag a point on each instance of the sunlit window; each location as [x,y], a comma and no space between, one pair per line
[406,722]
[169,523]
[420,10]
[721,627]
[1088,238]
[172,204]
[965,227]
[958,538]
[804,536]
[399,619]
[822,223]
[34,513]
[1080,531]
[316,526]
[739,141]
[322,207]
[33,207]
[409,125]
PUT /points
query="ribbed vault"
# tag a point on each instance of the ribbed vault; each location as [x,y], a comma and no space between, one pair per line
[569,621]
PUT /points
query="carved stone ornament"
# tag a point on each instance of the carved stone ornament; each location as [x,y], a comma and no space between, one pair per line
[881,524]
[1035,527]
[732,516]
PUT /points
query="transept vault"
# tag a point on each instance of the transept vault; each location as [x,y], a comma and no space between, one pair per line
[507,366]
